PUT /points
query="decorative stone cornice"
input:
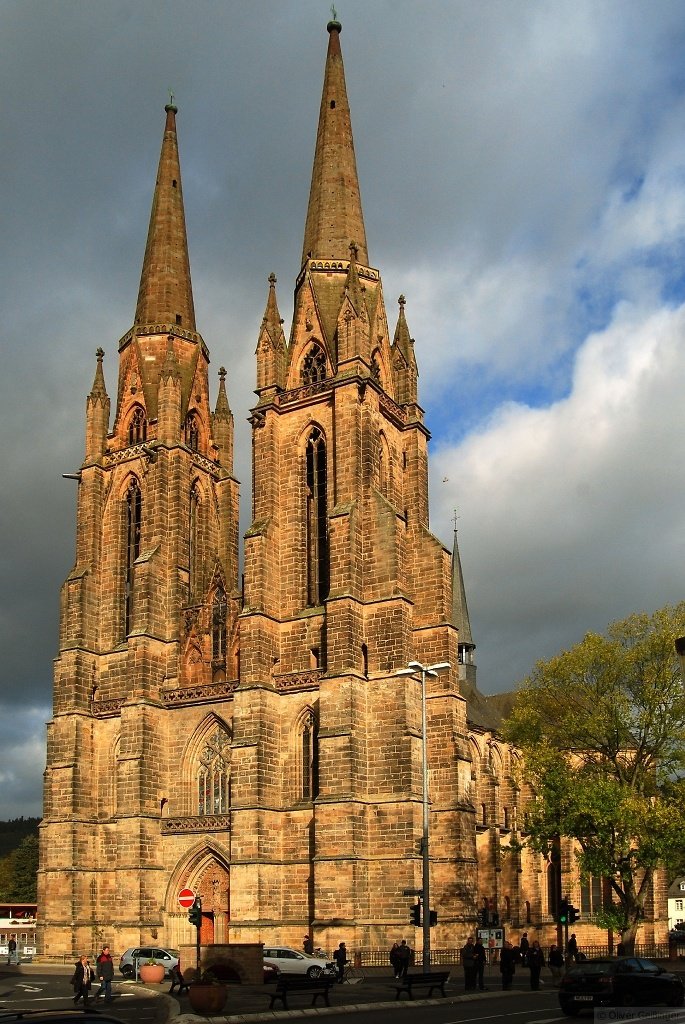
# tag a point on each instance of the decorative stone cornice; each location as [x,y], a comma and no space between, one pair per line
[293,681]
[197,823]
[200,694]
[107,708]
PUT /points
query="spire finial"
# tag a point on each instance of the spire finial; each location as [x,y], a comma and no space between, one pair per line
[455,517]
[272,279]
[334,25]
[402,301]
[222,373]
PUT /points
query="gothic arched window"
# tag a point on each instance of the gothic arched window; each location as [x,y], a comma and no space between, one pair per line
[309,769]
[213,778]
[192,432]
[137,427]
[193,539]
[134,508]
[314,365]
[317,519]
[219,626]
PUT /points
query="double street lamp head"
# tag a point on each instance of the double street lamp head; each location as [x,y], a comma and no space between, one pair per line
[429,670]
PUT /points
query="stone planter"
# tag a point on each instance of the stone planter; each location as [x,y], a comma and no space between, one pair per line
[151,974]
[207,999]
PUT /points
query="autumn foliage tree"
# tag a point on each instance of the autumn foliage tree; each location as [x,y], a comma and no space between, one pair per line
[602,731]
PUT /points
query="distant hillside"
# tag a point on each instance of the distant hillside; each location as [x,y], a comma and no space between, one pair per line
[14,831]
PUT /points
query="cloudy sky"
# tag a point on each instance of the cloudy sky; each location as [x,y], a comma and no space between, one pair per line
[522,167]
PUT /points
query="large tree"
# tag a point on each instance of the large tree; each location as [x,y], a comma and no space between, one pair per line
[602,730]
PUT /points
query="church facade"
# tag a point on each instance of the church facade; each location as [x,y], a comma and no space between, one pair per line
[249,736]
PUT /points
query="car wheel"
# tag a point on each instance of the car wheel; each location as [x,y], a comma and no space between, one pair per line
[675,999]
[127,971]
[570,1009]
[315,971]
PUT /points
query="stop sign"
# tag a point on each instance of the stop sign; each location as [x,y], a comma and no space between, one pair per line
[186,897]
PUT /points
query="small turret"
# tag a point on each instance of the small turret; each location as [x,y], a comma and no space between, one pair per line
[169,398]
[404,361]
[353,318]
[222,425]
[271,350]
[97,414]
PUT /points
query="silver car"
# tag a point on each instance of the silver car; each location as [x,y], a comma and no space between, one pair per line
[292,961]
[167,957]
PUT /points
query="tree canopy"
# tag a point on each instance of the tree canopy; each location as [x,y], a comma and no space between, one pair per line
[602,730]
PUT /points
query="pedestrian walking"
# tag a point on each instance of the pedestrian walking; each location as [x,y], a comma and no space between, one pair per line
[105,972]
[394,959]
[308,944]
[404,957]
[572,948]
[479,960]
[524,946]
[555,962]
[536,961]
[82,979]
[11,949]
[340,957]
[469,965]
[507,964]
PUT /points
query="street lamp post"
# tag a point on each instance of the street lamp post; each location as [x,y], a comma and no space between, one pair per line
[415,667]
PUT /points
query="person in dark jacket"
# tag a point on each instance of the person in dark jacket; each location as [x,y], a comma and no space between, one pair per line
[340,957]
[555,962]
[507,964]
[469,964]
[105,971]
[82,980]
[536,961]
[524,946]
[479,959]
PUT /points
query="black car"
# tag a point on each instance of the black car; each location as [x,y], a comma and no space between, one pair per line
[620,981]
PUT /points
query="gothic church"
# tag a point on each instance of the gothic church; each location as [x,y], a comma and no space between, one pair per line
[249,738]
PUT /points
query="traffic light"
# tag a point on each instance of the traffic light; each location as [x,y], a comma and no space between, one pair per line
[562,917]
[433,918]
[573,914]
[195,912]
[415,916]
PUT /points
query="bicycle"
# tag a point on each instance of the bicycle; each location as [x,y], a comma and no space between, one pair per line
[352,974]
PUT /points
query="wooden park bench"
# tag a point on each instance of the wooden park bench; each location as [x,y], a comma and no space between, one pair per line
[431,980]
[286,983]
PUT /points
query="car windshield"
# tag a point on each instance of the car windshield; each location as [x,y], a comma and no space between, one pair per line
[591,967]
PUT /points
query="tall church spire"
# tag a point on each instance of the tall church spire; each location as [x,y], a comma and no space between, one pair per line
[460,617]
[165,294]
[334,214]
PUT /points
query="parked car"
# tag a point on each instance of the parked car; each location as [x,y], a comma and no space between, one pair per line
[623,981]
[292,961]
[167,957]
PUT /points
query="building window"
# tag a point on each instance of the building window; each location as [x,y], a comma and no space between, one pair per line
[192,432]
[133,527]
[219,626]
[314,365]
[193,539]
[679,904]
[213,780]
[308,754]
[316,520]
[137,427]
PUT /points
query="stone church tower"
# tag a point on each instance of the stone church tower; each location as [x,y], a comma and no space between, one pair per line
[255,742]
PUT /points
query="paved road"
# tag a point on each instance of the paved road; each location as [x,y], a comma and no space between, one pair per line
[43,991]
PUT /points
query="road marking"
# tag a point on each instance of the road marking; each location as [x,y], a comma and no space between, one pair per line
[508,1013]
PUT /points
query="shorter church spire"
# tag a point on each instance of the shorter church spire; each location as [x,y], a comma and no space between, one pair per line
[165,295]
[460,617]
[97,413]
[406,371]
[271,349]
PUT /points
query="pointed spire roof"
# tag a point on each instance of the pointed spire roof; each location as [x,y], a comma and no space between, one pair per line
[334,214]
[223,410]
[165,295]
[460,612]
[272,318]
[402,339]
[98,389]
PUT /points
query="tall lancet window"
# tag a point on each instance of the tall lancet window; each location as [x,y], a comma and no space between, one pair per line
[317,520]
[193,540]
[308,754]
[314,365]
[213,778]
[133,525]
[219,627]
[192,431]
[137,427]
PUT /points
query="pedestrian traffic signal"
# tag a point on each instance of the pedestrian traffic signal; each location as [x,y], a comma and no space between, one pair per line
[573,914]
[433,918]
[415,916]
[562,917]
[195,912]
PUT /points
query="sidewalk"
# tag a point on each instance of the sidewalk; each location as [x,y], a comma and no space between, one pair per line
[249,1004]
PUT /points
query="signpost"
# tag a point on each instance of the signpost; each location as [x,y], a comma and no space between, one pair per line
[186,898]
